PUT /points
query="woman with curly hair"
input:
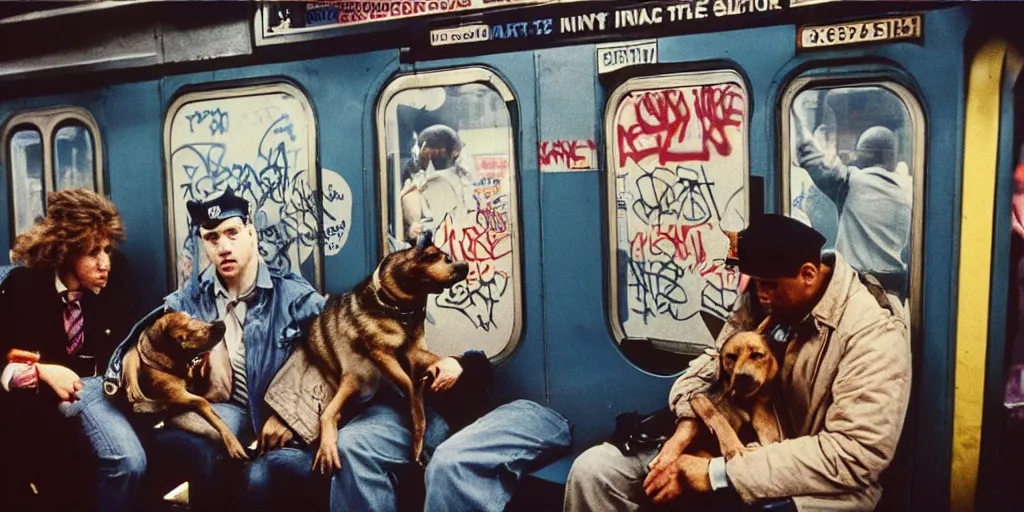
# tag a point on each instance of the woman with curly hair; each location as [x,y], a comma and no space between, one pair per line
[58,330]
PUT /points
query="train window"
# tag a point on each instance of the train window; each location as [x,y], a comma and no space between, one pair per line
[854,154]
[50,149]
[25,163]
[261,142]
[677,160]
[448,151]
[72,158]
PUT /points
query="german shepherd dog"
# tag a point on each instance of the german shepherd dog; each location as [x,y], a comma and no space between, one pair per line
[742,395]
[164,359]
[377,328]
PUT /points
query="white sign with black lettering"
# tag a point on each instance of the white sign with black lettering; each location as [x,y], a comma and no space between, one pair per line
[804,3]
[465,34]
[857,32]
[619,55]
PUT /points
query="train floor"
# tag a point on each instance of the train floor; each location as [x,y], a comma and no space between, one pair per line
[534,495]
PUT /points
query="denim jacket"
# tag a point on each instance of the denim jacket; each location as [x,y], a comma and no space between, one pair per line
[283,307]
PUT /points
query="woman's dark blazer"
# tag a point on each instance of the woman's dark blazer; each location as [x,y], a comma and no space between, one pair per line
[32,318]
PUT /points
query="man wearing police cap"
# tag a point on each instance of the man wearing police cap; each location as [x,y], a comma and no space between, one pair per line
[841,397]
[263,312]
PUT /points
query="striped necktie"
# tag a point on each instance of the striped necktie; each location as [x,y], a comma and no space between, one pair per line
[235,331]
[73,320]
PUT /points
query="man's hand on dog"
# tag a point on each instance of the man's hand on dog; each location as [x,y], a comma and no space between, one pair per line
[688,473]
[275,434]
[63,381]
[686,430]
[445,373]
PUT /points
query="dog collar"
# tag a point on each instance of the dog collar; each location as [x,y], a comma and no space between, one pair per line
[779,334]
[151,357]
[154,359]
[403,316]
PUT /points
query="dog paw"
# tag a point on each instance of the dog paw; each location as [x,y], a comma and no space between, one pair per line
[419,457]
[133,394]
[236,450]
[327,460]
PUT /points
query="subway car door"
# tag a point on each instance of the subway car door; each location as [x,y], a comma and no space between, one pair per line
[457,139]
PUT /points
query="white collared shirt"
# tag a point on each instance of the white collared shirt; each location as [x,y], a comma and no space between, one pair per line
[233,314]
[61,287]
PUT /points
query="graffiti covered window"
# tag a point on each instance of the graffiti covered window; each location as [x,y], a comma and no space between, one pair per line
[261,142]
[50,149]
[25,163]
[852,164]
[677,171]
[449,166]
[72,158]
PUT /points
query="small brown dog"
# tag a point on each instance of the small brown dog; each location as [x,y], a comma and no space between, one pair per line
[378,328]
[164,375]
[743,393]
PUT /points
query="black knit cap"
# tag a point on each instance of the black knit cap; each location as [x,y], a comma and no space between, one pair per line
[774,246]
[218,208]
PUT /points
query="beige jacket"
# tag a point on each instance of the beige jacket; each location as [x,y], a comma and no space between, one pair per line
[845,399]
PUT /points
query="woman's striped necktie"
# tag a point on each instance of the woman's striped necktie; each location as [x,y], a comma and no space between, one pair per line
[73,320]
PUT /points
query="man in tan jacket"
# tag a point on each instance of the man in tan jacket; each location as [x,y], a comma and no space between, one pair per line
[841,396]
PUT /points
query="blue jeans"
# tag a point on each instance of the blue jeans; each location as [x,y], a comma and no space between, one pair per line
[374,448]
[119,455]
[123,462]
[282,479]
[479,468]
[213,477]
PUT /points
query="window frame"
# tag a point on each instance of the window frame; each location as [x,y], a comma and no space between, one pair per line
[444,78]
[63,123]
[229,91]
[13,202]
[46,121]
[674,80]
[919,123]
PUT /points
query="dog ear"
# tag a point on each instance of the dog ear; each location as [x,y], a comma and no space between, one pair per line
[723,374]
[157,331]
[425,240]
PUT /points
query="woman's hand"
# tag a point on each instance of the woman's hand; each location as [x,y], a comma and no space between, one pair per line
[64,382]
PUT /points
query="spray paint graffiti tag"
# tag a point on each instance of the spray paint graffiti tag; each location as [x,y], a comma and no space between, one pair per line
[679,125]
[679,158]
[267,160]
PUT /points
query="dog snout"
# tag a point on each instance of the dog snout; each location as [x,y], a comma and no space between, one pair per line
[744,383]
[461,269]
